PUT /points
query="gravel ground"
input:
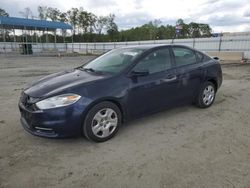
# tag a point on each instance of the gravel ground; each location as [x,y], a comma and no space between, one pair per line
[182,147]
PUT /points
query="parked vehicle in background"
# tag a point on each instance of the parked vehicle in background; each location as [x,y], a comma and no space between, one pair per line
[96,98]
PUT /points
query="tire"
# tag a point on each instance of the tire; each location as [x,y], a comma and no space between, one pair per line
[206,95]
[102,122]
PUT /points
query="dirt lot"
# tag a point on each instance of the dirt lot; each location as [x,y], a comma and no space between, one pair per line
[182,147]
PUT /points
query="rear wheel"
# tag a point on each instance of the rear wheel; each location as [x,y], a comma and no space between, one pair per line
[102,122]
[206,95]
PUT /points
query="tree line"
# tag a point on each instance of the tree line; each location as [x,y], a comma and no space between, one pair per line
[88,27]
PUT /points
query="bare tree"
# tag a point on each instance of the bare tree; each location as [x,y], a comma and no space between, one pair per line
[72,15]
[112,28]
[63,17]
[86,20]
[53,14]
[100,23]
[4,32]
[42,12]
[27,13]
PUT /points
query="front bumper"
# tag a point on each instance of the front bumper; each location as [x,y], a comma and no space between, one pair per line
[53,123]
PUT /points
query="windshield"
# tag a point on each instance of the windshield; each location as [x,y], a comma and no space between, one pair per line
[114,61]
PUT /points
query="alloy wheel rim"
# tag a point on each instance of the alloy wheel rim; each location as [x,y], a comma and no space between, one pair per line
[208,95]
[104,122]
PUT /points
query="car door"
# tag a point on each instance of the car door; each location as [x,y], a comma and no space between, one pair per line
[155,90]
[189,72]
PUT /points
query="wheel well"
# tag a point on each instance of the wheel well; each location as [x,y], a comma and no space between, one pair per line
[214,82]
[109,100]
[95,103]
[118,105]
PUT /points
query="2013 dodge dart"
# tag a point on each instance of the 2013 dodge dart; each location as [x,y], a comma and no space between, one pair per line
[96,98]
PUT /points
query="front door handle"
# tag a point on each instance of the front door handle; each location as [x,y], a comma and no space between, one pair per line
[169,78]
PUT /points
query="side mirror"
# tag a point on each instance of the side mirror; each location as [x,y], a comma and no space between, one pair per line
[139,73]
[216,58]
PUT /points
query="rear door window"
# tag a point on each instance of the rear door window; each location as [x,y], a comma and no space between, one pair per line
[157,61]
[200,57]
[184,56]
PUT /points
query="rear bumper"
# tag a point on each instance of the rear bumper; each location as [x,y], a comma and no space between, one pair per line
[220,78]
[53,123]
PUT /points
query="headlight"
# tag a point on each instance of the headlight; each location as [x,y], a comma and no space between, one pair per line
[58,101]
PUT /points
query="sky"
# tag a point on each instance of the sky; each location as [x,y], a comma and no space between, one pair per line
[221,15]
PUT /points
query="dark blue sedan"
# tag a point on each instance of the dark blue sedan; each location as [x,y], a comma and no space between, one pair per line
[96,98]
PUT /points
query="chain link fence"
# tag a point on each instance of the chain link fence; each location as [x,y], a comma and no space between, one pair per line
[216,44]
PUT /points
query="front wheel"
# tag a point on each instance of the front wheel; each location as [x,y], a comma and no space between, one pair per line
[102,122]
[206,95]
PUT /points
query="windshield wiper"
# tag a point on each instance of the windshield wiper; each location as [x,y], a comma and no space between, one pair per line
[87,69]
[92,70]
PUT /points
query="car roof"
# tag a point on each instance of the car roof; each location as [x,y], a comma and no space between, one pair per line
[152,46]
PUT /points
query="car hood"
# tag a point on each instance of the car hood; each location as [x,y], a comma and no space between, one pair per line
[58,82]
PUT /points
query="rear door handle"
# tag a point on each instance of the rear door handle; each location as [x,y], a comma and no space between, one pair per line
[169,78]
